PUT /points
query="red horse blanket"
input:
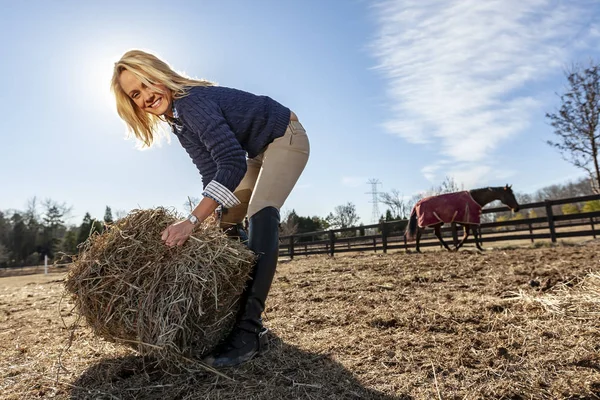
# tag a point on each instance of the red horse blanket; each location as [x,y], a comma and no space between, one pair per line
[452,207]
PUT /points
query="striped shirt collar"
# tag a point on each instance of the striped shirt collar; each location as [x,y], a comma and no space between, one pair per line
[175,122]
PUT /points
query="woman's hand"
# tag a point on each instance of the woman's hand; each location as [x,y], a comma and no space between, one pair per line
[176,234]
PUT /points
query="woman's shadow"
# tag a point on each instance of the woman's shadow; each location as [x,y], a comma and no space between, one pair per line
[284,372]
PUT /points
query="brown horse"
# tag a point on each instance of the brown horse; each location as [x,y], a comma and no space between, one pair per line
[463,208]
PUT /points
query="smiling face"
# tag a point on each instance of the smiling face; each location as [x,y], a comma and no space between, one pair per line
[155,100]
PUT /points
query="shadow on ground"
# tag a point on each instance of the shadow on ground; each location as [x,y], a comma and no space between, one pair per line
[284,372]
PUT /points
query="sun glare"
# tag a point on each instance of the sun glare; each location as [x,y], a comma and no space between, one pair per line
[98,73]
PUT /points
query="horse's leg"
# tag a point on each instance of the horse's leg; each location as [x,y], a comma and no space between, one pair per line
[476,239]
[438,234]
[419,232]
[466,229]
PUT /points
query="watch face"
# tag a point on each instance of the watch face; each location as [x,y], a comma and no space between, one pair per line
[193,219]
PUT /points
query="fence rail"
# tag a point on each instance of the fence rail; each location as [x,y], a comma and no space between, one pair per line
[390,235]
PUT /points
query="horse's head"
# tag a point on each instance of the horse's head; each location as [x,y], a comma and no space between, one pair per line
[508,198]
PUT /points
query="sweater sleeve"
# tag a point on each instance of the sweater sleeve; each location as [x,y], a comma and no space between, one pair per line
[227,161]
[207,168]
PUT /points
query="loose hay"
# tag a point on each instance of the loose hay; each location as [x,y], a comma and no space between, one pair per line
[575,299]
[171,304]
[353,326]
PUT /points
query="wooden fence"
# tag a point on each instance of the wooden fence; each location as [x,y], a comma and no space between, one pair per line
[390,235]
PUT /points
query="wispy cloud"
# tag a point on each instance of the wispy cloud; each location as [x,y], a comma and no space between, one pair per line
[429,171]
[459,71]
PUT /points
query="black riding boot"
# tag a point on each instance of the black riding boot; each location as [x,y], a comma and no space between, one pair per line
[247,338]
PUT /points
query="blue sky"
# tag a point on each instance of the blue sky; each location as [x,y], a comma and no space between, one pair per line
[403,91]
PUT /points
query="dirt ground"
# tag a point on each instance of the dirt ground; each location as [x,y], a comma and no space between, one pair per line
[501,324]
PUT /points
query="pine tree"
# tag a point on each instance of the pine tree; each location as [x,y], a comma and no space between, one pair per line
[85,229]
[108,218]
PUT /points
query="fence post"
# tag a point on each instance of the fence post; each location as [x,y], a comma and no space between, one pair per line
[291,247]
[550,217]
[530,232]
[593,229]
[383,229]
[454,234]
[331,243]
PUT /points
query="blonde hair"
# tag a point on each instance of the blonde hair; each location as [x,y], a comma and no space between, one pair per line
[150,70]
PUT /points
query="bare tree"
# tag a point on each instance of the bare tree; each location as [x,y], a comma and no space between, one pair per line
[343,216]
[576,122]
[118,214]
[395,201]
[551,192]
[190,204]
[448,185]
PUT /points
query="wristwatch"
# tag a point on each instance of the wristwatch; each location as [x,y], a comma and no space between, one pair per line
[193,219]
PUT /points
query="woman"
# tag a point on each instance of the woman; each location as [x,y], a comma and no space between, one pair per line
[219,127]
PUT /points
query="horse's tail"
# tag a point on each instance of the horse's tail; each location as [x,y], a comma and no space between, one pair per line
[411,228]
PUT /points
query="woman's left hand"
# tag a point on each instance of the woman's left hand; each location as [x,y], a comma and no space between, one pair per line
[176,234]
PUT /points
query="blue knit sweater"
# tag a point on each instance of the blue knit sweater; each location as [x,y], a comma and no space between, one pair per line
[218,127]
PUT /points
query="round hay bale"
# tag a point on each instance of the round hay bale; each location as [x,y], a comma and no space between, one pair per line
[171,304]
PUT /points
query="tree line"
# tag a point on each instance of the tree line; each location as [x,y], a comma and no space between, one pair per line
[40,230]
[27,236]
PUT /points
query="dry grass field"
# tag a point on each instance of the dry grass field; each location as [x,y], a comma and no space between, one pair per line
[518,323]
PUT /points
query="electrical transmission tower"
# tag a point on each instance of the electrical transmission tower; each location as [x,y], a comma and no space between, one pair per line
[375,199]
